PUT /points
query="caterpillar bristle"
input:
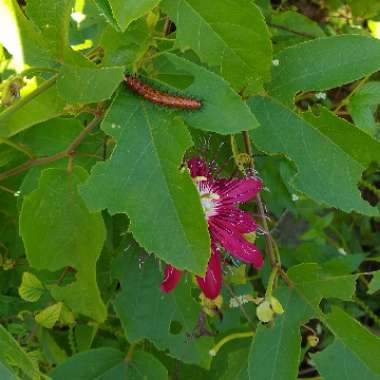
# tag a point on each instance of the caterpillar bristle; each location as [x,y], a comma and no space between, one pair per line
[159,97]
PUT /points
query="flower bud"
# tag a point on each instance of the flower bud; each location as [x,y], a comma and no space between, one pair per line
[265,312]
[312,340]
[276,305]
[268,308]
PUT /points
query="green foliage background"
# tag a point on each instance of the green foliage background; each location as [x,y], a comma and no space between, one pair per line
[93,201]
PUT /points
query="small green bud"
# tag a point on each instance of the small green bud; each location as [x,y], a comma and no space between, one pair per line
[312,340]
[268,308]
[265,312]
[276,305]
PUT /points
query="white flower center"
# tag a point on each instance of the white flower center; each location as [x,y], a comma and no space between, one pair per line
[208,204]
[209,200]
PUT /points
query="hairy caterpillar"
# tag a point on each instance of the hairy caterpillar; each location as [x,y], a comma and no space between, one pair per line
[159,97]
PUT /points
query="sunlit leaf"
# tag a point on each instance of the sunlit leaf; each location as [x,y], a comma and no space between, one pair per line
[31,287]
[125,11]
[49,316]
[88,84]
[14,356]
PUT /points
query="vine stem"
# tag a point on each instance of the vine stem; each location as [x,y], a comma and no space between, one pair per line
[272,279]
[267,235]
[370,187]
[3,188]
[241,306]
[18,147]
[228,338]
[367,309]
[68,152]
[308,328]
[260,206]
[345,101]
[286,29]
[131,350]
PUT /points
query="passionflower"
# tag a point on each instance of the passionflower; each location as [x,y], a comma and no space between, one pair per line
[227,225]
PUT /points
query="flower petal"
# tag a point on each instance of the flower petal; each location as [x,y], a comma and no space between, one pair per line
[237,190]
[212,282]
[234,242]
[238,219]
[172,276]
[198,167]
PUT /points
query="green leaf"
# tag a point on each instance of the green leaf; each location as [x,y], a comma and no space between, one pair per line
[223,111]
[323,63]
[58,231]
[110,364]
[145,366]
[312,283]
[49,316]
[327,172]
[106,11]
[237,366]
[50,348]
[52,136]
[352,352]
[21,39]
[5,373]
[125,48]
[354,142]
[232,38]
[125,11]
[148,313]
[271,169]
[364,8]
[143,179]
[88,84]
[275,350]
[52,18]
[14,356]
[31,288]
[93,364]
[67,317]
[362,106]
[374,285]
[297,22]
[344,264]
[84,336]
[44,106]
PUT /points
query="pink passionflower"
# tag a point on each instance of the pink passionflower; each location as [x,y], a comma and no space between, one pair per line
[227,225]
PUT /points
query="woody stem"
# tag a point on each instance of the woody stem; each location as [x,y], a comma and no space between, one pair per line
[267,235]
